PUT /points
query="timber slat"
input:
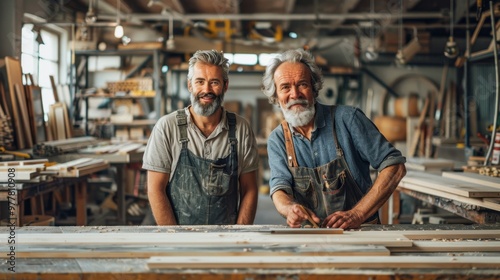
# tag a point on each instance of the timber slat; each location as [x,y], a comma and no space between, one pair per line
[324,262]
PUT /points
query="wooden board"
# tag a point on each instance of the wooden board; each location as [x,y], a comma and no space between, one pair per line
[324,262]
[38,114]
[449,185]
[424,164]
[467,200]
[13,67]
[216,239]
[475,178]
[451,246]
[140,251]
[25,115]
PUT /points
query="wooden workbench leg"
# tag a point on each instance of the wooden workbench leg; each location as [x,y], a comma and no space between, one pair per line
[81,203]
[19,210]
[120,193]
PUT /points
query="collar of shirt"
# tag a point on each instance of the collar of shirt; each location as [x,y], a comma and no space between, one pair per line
[223,121]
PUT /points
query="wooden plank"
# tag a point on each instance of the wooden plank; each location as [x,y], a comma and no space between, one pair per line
[441,234]
[13,67]
[418,130]
[450,185]
[475,178]
[19,175]
[140,251]
[54,88]
[351,238]
[323,262]
[467,200]
[38,114]
[24,162]
[450,246]
[304,230]
[23,110]
[424,164]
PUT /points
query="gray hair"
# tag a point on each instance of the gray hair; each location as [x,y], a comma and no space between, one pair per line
[211,57]
[298,55]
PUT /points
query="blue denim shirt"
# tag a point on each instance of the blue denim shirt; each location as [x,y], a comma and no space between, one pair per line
[359,138]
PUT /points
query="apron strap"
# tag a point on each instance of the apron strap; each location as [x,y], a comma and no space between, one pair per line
[290,150]
[340,152]
[182,124]
[231,120]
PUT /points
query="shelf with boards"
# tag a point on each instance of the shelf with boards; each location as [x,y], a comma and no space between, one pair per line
[134,65]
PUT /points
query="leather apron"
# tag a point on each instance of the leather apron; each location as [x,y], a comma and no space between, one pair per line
[327,188]
[203,191]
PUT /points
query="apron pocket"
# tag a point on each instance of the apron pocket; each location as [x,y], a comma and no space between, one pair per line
[304,192]
[217,183]
[334,185]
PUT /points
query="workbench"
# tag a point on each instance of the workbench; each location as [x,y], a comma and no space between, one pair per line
[35,190]
[119,161]
[253,252]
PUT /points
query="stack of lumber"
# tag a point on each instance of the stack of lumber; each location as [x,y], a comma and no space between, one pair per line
[79,167]
[21,171]
[121,148]
[461,187]
[248,247]
[53,148]
[6,132]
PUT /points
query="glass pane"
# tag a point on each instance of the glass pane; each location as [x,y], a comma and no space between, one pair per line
[265,57]
[47,99]
[46,69]
[245,59]
[229,57]
[50,49]
[28,64]
[28,39]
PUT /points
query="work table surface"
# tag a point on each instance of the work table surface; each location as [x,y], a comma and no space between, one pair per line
[125,252]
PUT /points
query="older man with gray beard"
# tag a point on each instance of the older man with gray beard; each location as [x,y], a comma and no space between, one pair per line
[202,160]
[320,155]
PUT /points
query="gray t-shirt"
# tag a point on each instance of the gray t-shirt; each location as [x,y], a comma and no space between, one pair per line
[163,147]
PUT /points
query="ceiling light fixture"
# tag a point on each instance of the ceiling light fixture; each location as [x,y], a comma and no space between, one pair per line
[451,48]
[119,27]
[90,17]
[406,53]
[370,53]
[170,41]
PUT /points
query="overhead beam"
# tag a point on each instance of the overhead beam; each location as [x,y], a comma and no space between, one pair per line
[273,16]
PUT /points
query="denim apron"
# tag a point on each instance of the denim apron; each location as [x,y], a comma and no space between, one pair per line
[327,188]
[203,191]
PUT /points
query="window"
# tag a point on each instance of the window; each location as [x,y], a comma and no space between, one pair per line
[41,60]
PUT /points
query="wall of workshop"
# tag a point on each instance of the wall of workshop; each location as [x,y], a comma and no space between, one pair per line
[11,15]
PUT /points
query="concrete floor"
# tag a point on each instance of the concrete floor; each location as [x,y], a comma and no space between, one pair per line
[266,212]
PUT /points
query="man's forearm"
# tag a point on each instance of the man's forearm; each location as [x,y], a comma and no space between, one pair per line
[282,201]
[382,188]
[248,207]
[162,209]
[248,198]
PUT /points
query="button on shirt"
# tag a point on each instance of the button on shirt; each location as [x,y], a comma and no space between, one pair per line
[363,145]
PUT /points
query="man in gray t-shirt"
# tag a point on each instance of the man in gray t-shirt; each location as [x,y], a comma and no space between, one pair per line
[202,160]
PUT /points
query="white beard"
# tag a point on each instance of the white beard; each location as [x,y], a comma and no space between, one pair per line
[299,116]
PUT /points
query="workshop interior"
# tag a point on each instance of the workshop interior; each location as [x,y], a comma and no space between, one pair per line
[83,83]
